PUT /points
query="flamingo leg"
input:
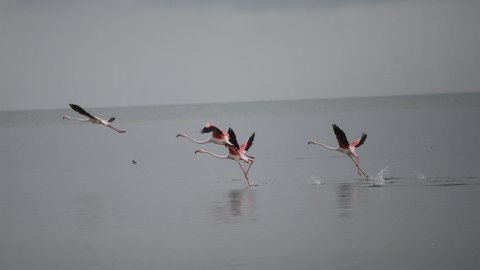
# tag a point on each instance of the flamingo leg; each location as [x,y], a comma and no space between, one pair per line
[249,156]
[116,129]
[251,163]
[244,173]
[359,171]
[358,167]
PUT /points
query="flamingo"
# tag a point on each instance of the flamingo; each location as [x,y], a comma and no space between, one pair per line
[236,152]
[345,147]
[218,136]
[91,118]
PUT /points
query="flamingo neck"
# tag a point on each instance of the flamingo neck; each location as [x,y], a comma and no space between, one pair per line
[213,154]
[73,118]
[195,141]
[324,145]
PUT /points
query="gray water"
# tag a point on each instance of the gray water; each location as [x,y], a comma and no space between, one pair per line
[70,197]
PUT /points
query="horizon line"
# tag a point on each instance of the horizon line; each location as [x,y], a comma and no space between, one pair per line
[248,101]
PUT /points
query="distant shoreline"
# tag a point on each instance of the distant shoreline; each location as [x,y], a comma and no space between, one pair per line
[434,95]
[249,108]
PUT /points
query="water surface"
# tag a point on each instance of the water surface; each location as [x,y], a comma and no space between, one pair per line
[70,197]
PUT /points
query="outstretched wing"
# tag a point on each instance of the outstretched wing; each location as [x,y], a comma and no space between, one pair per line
[248,143]
[81,111]
[233,138]
[341,138]
[359,142]
[209,128]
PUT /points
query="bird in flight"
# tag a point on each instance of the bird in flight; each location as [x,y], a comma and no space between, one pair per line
[345,147]
[236,152]
[218,136]
[91,118]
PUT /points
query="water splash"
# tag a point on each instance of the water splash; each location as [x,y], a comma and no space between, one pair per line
[315,181]
[420,176]
[379,179]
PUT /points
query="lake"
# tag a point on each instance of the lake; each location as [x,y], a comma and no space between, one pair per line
[70,197]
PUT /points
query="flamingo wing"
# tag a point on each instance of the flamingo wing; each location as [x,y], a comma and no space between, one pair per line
[341,137]
[81,111]
[233,151]
[357,143]
[210,128]
[216,132]
[233,138]
[248,143]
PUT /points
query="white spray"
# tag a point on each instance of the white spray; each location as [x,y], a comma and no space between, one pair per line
[379,179]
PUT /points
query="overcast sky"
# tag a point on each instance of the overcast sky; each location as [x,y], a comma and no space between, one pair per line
[126,52]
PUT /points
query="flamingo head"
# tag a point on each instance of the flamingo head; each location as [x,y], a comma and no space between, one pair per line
[111,119]
[312,142]
[180,135]
[199,151]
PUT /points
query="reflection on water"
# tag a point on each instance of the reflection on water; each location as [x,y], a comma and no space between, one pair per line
[235,205]
[345,197]
[90,211]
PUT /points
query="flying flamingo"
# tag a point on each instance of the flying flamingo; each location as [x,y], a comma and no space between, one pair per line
[345,147]
[236,152]
[218,136]
[91,118]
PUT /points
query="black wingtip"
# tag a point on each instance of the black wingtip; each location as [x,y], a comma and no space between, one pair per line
[336,128]
[250,141]
[362,139]
[341,137]
[233,138]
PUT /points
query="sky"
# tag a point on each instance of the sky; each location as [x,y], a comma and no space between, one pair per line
[100,53]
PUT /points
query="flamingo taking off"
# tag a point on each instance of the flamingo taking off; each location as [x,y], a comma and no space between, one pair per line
[92,119]
[236,152]
[345,147]
[218,136]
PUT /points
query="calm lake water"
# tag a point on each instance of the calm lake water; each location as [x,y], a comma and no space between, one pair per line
[70,197]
